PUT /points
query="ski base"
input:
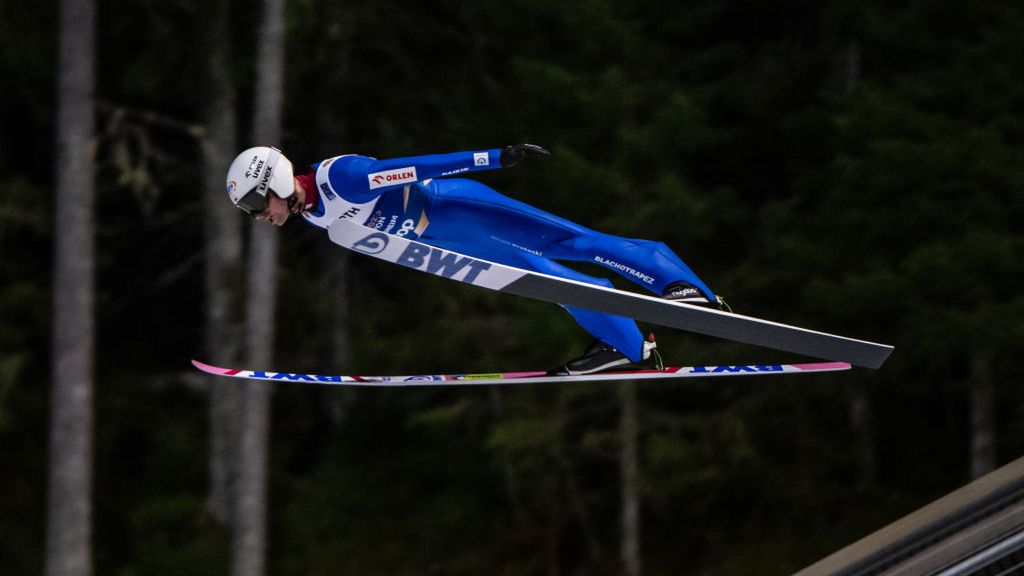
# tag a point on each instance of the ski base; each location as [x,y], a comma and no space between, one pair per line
[526,377]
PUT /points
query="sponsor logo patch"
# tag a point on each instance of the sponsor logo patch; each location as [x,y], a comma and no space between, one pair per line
[351,212]
[392,177]
[254,167]
[431,260]
[265,180]
[441,262]
[626,269]
[481,159]
[326,189]
[372,244]
[736,369]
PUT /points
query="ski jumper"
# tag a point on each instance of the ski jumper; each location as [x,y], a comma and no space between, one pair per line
[408,197]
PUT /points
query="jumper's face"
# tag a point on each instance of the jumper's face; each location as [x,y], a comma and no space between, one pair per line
[276,213]
[279,210]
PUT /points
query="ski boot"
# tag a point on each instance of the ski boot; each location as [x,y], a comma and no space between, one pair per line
[601,357]
[682,291]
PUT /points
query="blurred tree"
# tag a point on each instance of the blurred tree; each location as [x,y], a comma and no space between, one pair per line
[629,470]
[860,410]
[908,219]
[250,528]
[223,256]
[981,386]
[70,508]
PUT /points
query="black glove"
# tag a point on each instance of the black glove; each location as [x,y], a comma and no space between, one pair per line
[512,155]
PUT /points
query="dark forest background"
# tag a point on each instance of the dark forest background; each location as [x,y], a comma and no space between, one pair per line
[853,167]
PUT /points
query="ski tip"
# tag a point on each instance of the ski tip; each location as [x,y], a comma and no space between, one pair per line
[207,368]
[216,370]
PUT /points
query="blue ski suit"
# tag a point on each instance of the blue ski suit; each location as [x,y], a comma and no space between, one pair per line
[416,198]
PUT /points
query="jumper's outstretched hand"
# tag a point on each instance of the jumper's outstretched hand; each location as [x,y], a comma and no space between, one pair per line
[512,155]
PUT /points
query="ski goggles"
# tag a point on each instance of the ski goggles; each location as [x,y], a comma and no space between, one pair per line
[253,203]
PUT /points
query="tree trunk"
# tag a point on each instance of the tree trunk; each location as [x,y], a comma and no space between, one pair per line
[851,67]
[69,505]
[859,410]
[223,261]
[250,528]
[249,549]
[982,390]
[629,469]
[334,46]
[859,404]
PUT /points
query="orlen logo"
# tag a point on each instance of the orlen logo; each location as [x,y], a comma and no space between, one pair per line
[392,177]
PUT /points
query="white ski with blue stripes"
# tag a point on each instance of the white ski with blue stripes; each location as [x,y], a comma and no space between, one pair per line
[524,377]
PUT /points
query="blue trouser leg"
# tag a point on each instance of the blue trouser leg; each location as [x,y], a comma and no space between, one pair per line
[471,218]
[652,265]
[618,331]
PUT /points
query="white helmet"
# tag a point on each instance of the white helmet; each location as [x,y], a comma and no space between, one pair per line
[255,171]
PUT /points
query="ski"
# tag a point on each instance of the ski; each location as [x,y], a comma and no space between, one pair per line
[526,377]
[494,276]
